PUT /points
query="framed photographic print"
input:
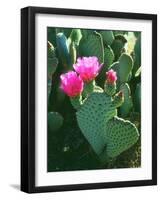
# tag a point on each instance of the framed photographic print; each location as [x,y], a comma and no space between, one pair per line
[88,99]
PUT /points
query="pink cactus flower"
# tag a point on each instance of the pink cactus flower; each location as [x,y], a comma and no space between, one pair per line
[111,76]
[71,84]
[88,68]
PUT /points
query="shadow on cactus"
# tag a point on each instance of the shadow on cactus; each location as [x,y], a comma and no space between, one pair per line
[94,99]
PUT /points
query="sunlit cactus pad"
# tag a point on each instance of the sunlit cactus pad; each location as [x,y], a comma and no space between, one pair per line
[92,46]
[121,135]
[92,118]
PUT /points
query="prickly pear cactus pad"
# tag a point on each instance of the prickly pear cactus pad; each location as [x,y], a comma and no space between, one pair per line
[92,118]
[92,46]
[94,99]
[120,135]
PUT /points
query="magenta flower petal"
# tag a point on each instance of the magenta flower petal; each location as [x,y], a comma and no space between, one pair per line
[88,68]
[71,84]
[111,76]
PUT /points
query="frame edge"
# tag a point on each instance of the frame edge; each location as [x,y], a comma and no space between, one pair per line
[24,100]
[27,101]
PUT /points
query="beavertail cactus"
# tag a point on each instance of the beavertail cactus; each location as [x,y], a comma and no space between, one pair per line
[96,113]
[63,51]
[123,67]
[127,106]
[76,36]
[92,45]
[108,37]
[118,45]
[92,118]
[108,60]
[121,135]
[137,54]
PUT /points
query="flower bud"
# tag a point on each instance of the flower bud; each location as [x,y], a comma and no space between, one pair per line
[111,76]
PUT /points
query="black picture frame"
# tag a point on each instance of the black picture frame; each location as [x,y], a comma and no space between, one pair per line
[28,98]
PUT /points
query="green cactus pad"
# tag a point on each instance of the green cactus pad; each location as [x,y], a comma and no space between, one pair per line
[121,135]
[108,60]
[92,118]
[137,54]
[76,36]
[108,57]
[63,50]
[118,45]
[126,107]
[92,46]
[126,65]
[108,37]
[73,52]
[86,32]
[115,67]
[118,99]
[123,68]
[109,88]
[55,121]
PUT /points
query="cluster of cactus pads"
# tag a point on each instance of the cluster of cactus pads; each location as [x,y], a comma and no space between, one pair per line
[96,113]
[108,134]
[100,71]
